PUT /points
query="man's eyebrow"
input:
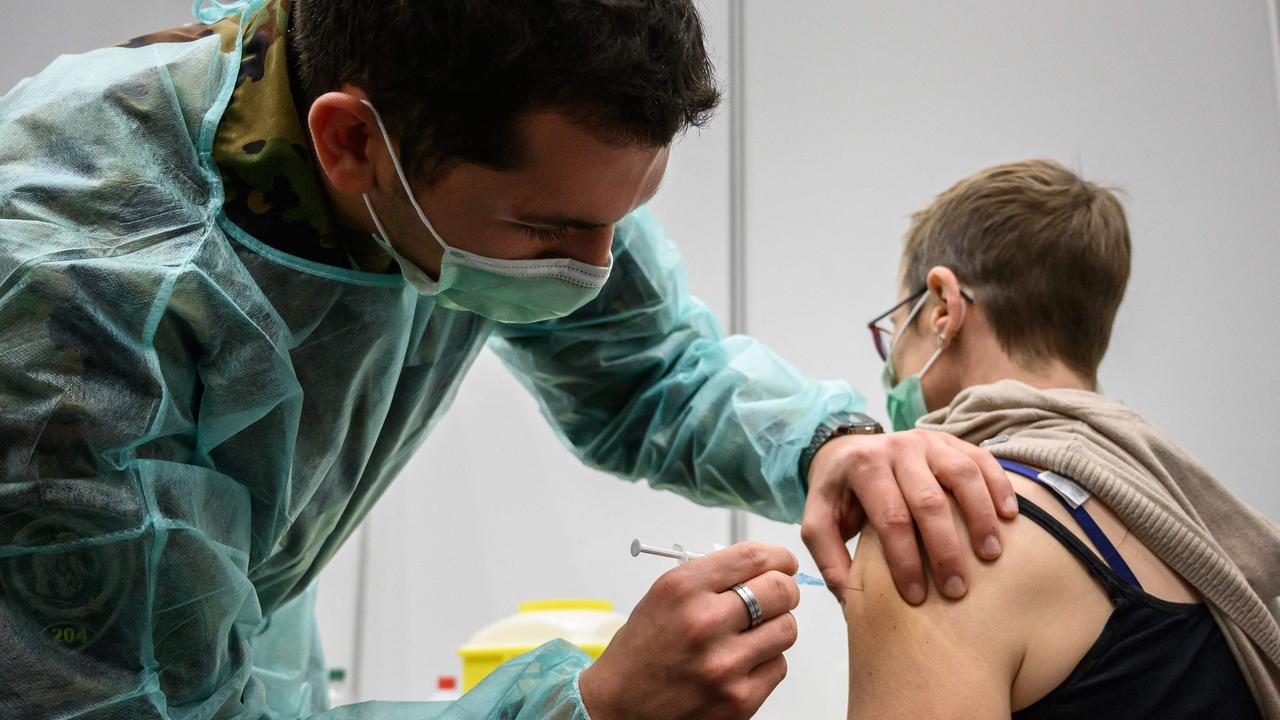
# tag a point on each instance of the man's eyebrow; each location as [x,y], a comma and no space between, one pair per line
[565,221]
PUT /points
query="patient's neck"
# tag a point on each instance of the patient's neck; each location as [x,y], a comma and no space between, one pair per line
[976,357]
[1048,374]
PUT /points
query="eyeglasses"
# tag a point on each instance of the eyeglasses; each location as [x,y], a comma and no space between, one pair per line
[883,333]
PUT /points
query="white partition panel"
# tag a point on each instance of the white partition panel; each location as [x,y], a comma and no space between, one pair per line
[34,33]
[859,112]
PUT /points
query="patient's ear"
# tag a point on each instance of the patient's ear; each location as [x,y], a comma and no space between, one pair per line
[948,315]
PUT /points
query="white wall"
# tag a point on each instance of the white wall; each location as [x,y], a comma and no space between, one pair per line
[32,34]
[856,114]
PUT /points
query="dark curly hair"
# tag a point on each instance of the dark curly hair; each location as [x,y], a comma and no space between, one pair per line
[453,77]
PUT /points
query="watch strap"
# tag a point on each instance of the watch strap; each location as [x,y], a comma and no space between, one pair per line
[845,423]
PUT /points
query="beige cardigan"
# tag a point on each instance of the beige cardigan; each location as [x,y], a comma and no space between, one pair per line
[1228,552]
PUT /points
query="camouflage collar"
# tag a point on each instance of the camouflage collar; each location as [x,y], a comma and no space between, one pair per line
[273,190]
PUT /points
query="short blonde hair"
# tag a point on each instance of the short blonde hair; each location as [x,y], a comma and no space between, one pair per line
[1045,253]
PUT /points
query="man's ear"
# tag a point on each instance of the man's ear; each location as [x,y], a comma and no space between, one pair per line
[949,314]
[344,133]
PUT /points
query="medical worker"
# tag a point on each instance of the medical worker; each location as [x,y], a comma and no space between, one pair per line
[244,266]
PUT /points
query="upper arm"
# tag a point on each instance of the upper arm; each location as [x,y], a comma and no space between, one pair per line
[943,659]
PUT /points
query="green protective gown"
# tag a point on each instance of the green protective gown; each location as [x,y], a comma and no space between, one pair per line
[193,421]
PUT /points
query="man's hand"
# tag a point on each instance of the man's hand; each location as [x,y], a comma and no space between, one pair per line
[897,481]
[686,652]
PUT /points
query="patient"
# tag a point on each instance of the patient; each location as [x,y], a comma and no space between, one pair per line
[1139,587]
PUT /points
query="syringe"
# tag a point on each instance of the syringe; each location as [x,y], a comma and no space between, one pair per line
[682,556]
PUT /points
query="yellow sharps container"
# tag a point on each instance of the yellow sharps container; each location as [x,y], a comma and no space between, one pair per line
[589,624]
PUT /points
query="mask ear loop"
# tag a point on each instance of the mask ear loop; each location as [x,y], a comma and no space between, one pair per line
[942,339]
[911,316]
[404,181]
[382,232]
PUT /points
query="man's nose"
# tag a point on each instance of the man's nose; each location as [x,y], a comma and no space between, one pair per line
[594,247]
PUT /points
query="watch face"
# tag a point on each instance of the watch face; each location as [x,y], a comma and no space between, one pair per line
[862,426]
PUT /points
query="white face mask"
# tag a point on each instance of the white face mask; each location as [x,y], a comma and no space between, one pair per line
[507,291]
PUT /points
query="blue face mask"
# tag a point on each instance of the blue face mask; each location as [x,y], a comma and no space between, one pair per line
[506,291]
[904,400]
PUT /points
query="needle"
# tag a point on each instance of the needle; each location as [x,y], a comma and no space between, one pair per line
[683,556]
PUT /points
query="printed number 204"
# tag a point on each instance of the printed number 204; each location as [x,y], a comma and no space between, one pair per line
[70,635]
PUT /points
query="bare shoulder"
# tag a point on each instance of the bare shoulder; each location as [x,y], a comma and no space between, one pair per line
[942,659]
[978,621]
[990,642]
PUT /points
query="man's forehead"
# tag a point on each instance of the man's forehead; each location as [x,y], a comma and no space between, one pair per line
[552,140]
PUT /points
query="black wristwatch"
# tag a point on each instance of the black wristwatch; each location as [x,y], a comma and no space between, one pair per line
[833,427]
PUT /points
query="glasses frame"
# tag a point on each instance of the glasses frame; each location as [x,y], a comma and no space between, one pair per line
[883,347]
[876,329]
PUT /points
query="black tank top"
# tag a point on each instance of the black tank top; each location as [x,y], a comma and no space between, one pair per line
[1153,659]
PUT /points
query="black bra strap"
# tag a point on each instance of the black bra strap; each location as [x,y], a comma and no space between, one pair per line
[1096,567]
